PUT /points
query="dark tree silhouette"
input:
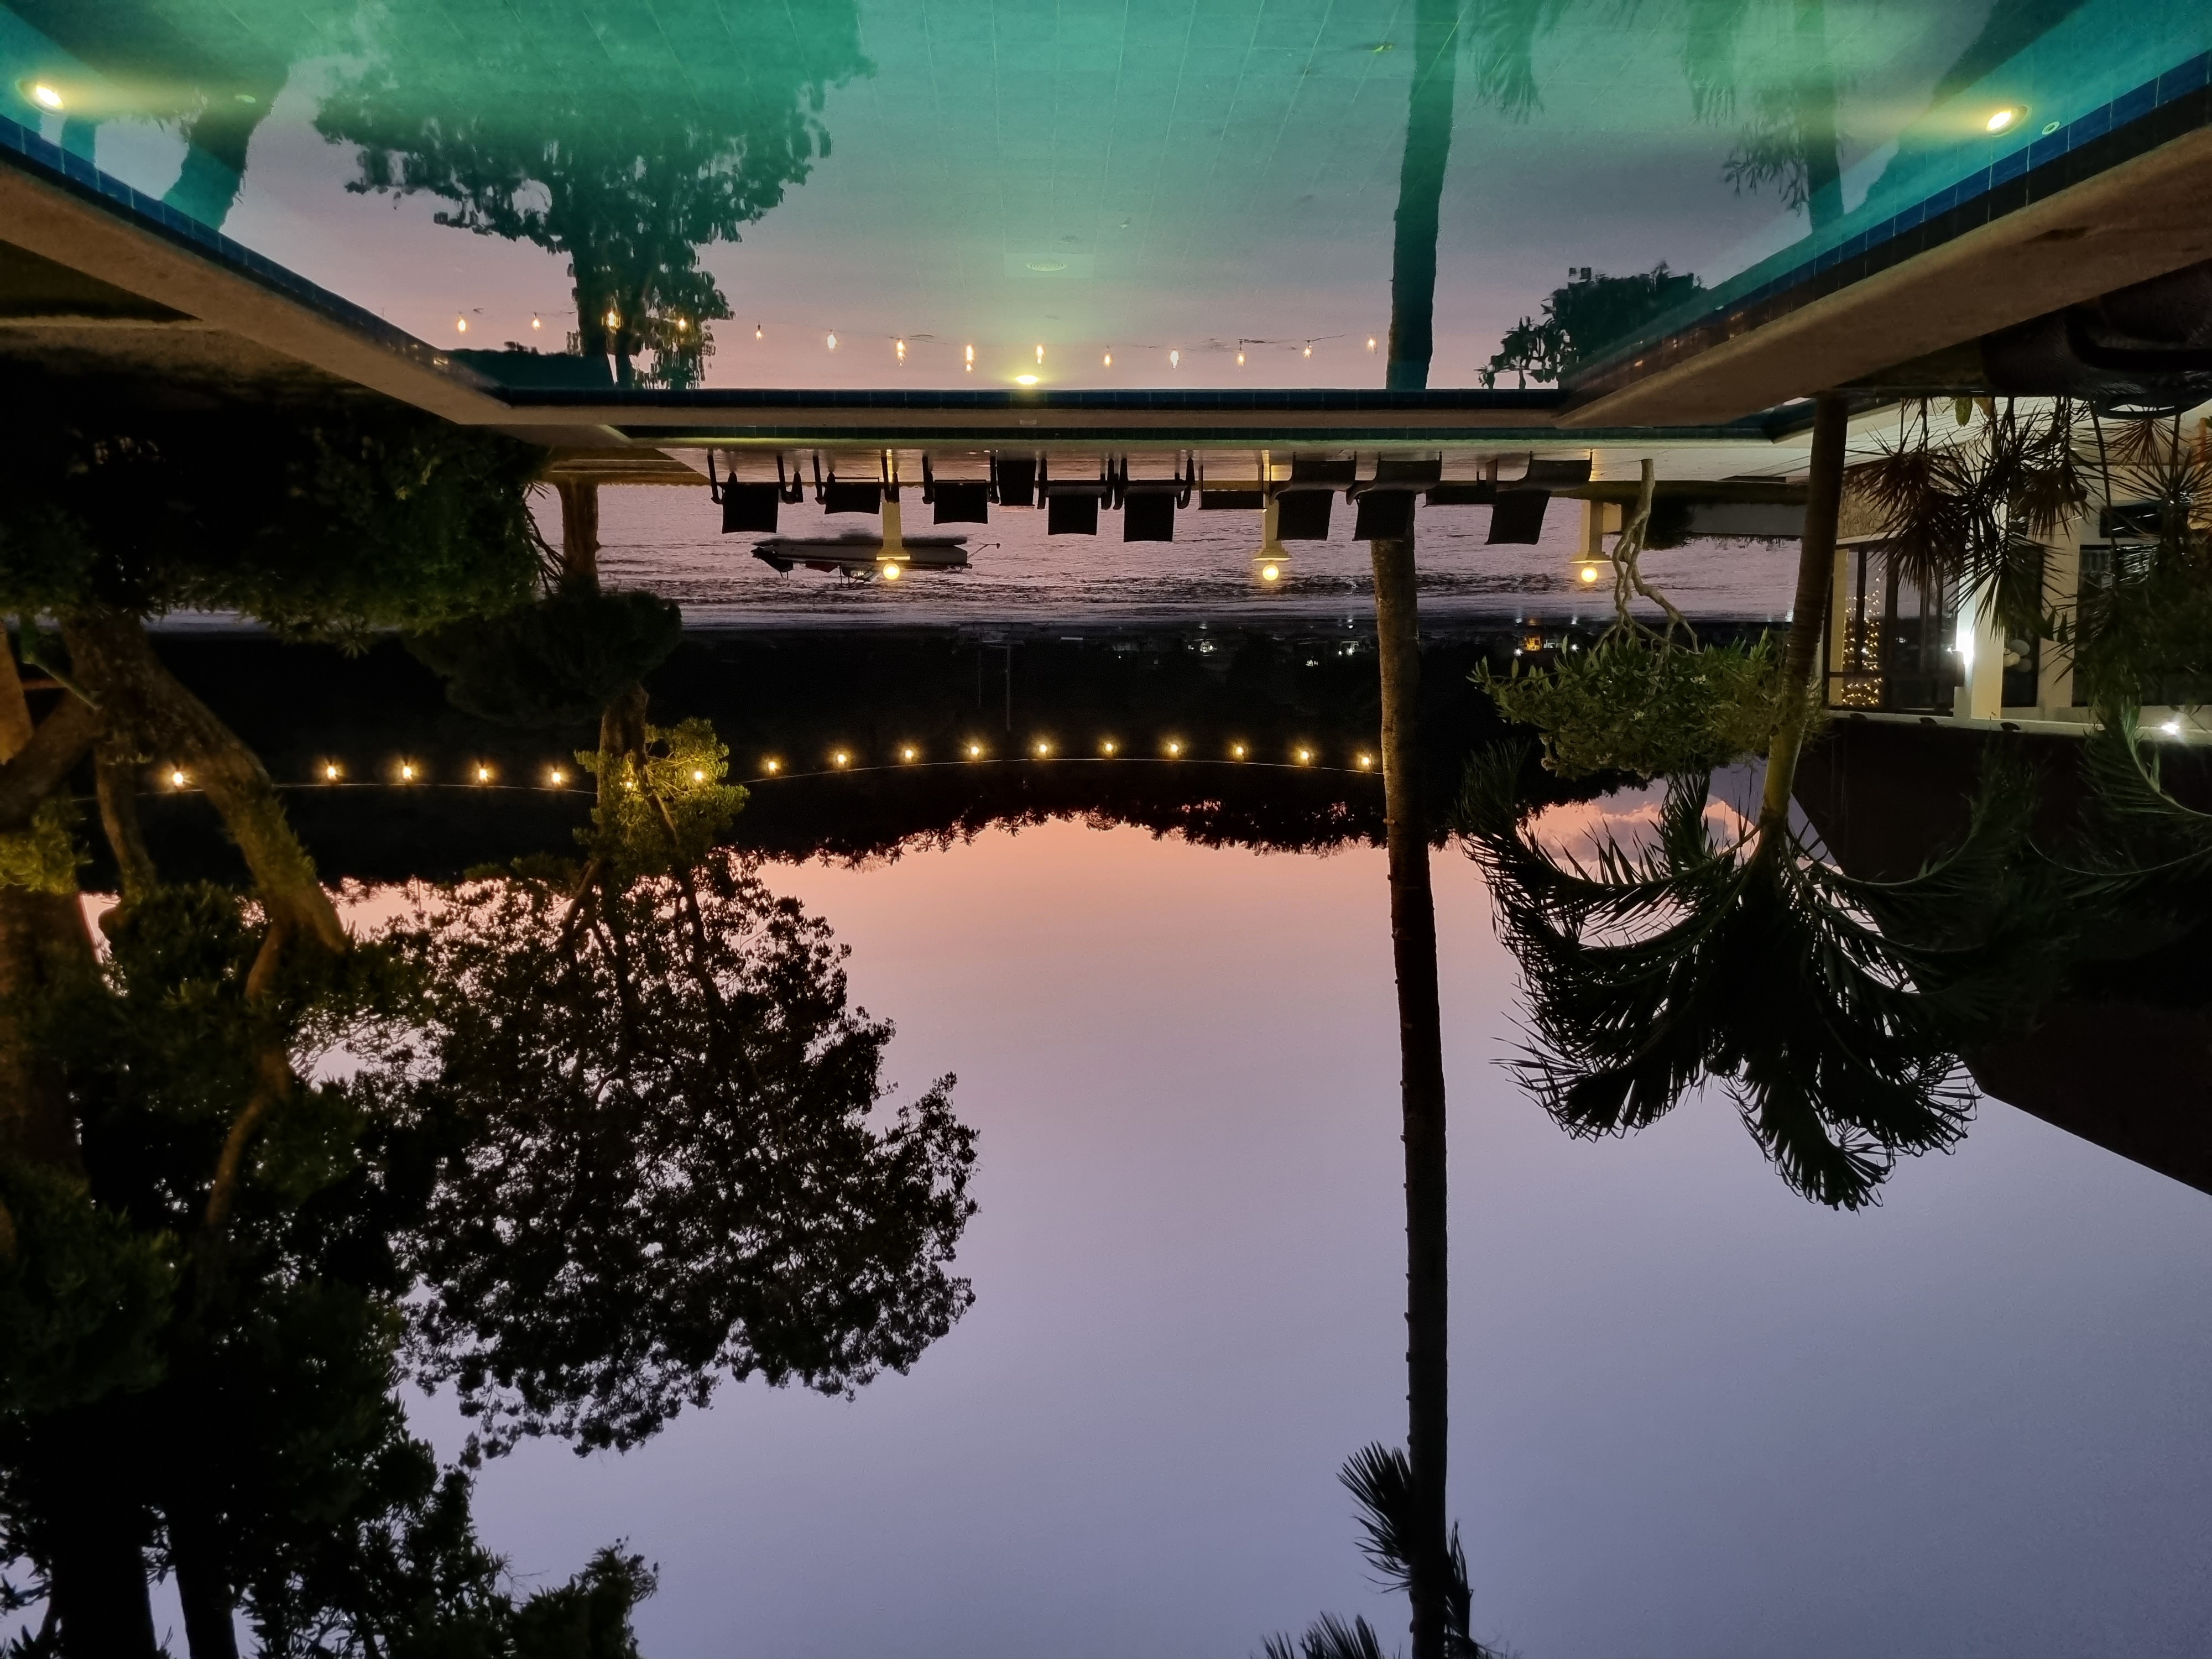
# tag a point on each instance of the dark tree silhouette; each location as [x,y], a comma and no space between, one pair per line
[554,140]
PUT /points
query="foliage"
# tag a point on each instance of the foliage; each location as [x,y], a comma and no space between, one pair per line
[322,522]
[1590,313]
[554,662]
[1631,704]
[672,1176]
[83,1296]
[1381,1479]
[43,857]
[662,810]
[1832,1009]
[550,141]
[2144,634]
[1977,507]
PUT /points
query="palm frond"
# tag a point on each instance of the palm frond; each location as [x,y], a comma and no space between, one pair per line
[1381,1481]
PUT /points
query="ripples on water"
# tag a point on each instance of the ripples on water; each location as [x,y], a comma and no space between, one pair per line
[668,539]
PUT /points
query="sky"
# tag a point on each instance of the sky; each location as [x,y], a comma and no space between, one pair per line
[1691,1413]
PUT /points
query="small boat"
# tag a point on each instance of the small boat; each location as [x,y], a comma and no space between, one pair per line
[856,553]
[886,553]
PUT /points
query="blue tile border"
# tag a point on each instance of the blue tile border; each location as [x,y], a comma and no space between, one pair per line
[2178,101]
[22,146]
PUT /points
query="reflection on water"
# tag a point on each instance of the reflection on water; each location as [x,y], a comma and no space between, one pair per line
[599,1135]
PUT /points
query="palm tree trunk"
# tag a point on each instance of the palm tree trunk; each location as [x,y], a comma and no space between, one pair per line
[1808,617]
[1420,195]
[1421,1084]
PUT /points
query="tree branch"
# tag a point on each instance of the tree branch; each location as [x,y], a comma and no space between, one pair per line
[43,764]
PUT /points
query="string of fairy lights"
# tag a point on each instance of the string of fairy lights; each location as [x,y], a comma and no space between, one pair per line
[405,773]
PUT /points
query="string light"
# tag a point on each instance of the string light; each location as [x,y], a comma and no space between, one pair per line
[613,319]
[177,778]
[833,342]
[681,325]
[1236,751]
[407,771]
[330,772]
[841,758]
[1108,748]
[1109,360]
[1042,749]
[1175,360]
[758,334]
[460,325]
[908,753]
[975,751]
[1366,761]
[1371,343]
[1240,356]
[772,766]
[1309,348]
[1175,748]
[971,356]
[483,774]
[536,322]
[559,777]
[901,348]
[1305,756]
[1040,354]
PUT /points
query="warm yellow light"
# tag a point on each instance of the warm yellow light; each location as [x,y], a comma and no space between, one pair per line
[1175,360]
[45,96]
[972,354]
[406,771]
[772,766]
[889,569]
[1366,761]
[1305,756]
[757,335]
[1271,572]
[1240,359]
[698,776]
[612,319]
[1309,348]
[1371,343]
[907,753]
[901,348]
[1108,746]
[331,772]
[559,777]
[1025,380]
[833,342]
[1174,747]
[1040,354]
[1590,572]
[1236,751]
[2002,119]
[841,758]
[177,779]
[460,325]
[681,325]
[975,751]
[536,322]
[483,775]
[1109,360]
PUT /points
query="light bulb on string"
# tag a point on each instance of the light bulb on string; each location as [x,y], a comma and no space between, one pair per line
[536,322]
[1240,356]
[1309,348]
[1109,360]
[901,348]
[758,334]
[1371,343]
[833,342]
[460,325]
[613,319]
[1175,360]
[1040,354]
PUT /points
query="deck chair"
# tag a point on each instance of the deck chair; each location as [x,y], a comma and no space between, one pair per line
[1149,516]
[1014,480]
[1384,514]
[957,500]
[1395,473]
[1464,492]
[1519,516]
[1302,515]
[1555,472]
[1315,473]
[745,505]
[1070,514]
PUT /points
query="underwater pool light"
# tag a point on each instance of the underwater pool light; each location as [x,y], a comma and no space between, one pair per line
[1025,380]
[2003,119]
[46,97]
[2171,728]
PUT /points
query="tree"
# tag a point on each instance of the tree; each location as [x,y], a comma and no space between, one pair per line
[671,1178]
[551,141]
[1590,313]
